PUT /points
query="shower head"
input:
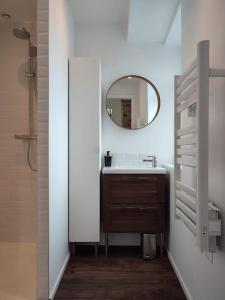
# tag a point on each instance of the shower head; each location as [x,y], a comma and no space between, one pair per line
[21,33]
[4,16]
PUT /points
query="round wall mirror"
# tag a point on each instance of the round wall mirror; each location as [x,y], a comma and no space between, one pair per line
[132,102]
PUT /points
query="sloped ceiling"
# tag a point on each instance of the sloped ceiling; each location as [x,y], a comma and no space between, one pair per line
[147,21]
[150,20]
[173,38]
[100,11]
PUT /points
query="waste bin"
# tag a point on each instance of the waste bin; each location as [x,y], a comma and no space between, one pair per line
[149,246]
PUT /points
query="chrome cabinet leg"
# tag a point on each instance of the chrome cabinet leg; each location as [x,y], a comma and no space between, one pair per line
[106,243]
[161,244]
[96,249]
[73,249]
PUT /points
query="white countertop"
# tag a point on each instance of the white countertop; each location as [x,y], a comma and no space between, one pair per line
[133,170]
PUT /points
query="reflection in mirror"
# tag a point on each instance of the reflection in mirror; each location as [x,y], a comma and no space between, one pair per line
[132,102]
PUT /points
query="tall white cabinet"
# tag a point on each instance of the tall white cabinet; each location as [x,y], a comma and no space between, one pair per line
[84,149]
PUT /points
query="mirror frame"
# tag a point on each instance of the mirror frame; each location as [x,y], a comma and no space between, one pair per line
[149,82]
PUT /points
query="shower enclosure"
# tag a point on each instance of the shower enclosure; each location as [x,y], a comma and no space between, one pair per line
[18,150]
[23,34]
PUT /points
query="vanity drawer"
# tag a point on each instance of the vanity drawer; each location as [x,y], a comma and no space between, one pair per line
[129,189]
[135,218]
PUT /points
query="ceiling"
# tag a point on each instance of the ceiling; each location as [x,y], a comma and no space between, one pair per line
[20,10]
[173,38]
[100,11]
[150,20]
[147,21]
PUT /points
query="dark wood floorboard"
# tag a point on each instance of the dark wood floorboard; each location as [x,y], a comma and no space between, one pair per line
[124,275]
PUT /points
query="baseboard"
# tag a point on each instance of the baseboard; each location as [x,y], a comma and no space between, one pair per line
[179,276]
[59,277]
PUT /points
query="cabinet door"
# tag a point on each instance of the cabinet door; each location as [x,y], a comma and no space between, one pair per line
[128,189]
[84,145]
[136,218]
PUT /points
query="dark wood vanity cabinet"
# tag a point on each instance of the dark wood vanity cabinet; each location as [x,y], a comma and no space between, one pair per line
[133,203]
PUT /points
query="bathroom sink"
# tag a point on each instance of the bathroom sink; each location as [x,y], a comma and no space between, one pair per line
[133,170]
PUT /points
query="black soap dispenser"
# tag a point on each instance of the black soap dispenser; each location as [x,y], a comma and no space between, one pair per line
[108,159]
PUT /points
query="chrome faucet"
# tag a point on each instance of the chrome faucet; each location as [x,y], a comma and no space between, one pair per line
[152,159]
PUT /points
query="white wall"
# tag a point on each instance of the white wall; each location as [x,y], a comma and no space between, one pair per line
[204,19]
[60,48]
[157,63]
[118,58]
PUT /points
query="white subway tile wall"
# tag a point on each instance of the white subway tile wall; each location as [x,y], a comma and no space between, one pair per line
[43,194]
[18,184]
[131,160]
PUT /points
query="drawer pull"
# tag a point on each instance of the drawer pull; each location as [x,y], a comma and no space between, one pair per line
[135,208]
[136,179]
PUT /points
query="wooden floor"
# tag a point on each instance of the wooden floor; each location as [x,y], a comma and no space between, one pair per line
[123,275]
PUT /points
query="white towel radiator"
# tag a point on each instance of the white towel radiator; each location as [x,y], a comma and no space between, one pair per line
[191,150]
